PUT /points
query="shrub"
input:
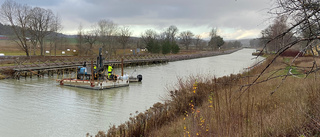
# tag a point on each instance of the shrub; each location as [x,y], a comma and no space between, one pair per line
[291,53]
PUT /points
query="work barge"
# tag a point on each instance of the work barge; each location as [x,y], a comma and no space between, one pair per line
[94,76]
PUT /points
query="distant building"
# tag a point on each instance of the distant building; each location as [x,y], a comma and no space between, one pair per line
[3,37]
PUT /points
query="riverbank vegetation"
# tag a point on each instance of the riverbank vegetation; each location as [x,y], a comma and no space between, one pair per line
[231,106]
[6,73]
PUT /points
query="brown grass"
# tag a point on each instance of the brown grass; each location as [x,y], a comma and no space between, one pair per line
[217,107]
[10,48]
[6,73]
[7,45]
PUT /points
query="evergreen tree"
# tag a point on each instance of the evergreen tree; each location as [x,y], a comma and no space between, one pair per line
[166,47]
[175,48]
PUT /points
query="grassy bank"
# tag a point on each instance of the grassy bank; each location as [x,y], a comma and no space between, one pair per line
[6,73]
[227,106]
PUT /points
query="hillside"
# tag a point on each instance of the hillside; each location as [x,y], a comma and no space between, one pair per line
[244,42]
[5,30]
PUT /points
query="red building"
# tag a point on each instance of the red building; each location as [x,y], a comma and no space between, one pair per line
[3,37]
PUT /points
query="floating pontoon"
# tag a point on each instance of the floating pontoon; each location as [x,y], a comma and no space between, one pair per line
[94,78]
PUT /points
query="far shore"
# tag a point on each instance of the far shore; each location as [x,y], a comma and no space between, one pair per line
[7,63]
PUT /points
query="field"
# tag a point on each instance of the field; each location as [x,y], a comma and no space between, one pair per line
[10,48]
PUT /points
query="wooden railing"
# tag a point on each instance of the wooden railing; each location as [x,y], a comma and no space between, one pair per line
[61,61]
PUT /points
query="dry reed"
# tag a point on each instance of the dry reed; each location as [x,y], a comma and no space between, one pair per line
[217,107]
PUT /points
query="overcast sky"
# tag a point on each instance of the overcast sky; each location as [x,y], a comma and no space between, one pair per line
[235,19]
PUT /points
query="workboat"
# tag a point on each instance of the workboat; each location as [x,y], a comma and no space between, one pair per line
[105,84]
[94,77]
[137,78]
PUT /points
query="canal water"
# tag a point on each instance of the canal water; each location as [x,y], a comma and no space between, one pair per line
[40,107]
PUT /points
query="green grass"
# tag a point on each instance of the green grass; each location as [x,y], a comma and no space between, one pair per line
[72,40]
[286,60]
[21,53]
[16,53]
[294,71]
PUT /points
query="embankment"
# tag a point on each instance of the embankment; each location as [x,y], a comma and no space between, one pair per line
[234,106]
[200,54]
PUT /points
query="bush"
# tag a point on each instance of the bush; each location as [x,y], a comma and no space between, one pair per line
[175,48]
[291,53]
[6,73]
[166,47]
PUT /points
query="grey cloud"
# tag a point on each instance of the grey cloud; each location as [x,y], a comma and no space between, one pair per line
[243,14]
[40,3]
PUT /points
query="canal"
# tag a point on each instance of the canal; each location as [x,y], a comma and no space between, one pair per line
[40,107]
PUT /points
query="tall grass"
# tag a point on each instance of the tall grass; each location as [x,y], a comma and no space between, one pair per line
[218,107]
[6,73]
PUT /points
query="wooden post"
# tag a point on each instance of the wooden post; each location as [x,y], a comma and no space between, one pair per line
[121,66]
[92,71]
[18,75]
[76,73]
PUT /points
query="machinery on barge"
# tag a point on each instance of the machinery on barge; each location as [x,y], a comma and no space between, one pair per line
[94,77]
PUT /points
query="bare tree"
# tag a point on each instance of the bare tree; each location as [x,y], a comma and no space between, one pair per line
[54,39]
[186,38]
[124,35]
[197,42]
[34,43]
[90,38]
[28,23]
[149,35]
[80,40]
[41,24]
[171,33]
[107,33]
[278,27]
[17,16]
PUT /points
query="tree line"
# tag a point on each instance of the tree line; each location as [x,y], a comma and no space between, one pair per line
[32,26]
[5,29]
[110,36]
[295,26]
